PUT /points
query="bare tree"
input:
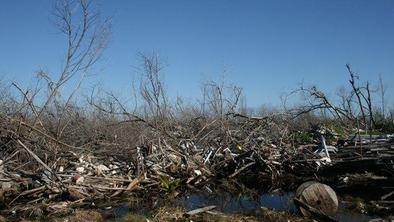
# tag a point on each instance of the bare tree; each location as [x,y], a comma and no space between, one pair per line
[243,106]
[221,98]
[152,87]
[316,99]
[382,95]
[357,92]
[355,105]
[156,110]
[346,100]
[86,38]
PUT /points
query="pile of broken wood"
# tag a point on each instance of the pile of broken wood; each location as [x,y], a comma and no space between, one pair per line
[41,174]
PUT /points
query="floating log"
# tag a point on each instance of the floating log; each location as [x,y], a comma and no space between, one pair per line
[317,195]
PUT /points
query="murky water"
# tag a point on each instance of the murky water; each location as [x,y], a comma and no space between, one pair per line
[241,204]
[281,201]
[229,203]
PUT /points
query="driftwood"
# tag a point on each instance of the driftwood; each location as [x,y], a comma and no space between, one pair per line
[200,210]
[241,169]
[384,197]
[132,185]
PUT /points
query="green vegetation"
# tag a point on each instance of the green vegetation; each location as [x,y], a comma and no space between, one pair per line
[168,185]
[303,137]
[385,127]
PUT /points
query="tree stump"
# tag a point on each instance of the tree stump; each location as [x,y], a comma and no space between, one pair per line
[318,196]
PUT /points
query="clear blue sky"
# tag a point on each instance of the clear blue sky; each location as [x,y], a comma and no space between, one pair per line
[267,47]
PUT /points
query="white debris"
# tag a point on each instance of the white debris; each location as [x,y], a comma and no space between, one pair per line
[326,159]
[198,172]
[154,149]
[80,169]
[207,158]
[102,167]
[6,185]
[208,189]
[115,167]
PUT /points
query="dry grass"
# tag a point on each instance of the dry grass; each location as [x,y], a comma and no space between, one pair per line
[81,216]
[178,215]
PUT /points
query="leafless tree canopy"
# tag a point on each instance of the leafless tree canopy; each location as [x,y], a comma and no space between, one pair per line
[354,106]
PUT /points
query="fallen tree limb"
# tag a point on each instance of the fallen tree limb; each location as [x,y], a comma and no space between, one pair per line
[132,185]
[241,169]
[38,159]
[200,210]
[27,192]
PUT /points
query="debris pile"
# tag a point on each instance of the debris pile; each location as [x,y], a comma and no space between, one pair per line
[41,174]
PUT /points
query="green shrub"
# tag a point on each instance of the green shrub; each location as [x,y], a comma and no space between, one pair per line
[385,127]
[303,137]
[169,185]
